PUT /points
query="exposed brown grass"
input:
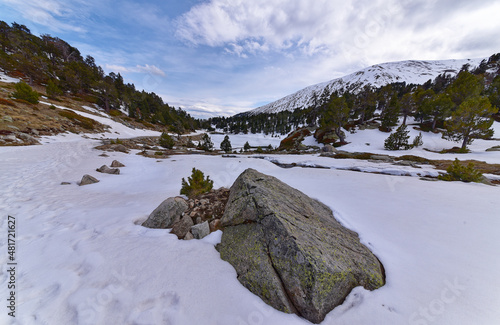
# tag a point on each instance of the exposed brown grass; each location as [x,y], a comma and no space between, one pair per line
[7,102]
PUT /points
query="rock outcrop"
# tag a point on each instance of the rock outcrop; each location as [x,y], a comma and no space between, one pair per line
[167,213]
[289,250]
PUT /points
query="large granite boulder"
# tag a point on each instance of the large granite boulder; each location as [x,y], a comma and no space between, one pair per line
[167,213]
[289,250]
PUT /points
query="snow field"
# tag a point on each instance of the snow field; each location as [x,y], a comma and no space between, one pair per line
[84,258]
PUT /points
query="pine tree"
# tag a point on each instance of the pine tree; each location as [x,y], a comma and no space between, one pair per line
[398,140]
[206,143]
[472,120]
[438,107]
[247,147]
[196,184]
[336,116]
[53,91]
[408,105]
[494,92]
[25,92]
[226,144]
[166,141]
[417,141]
[466,85]
[391,114]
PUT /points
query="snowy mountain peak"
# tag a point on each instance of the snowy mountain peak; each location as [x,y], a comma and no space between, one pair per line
[411,71]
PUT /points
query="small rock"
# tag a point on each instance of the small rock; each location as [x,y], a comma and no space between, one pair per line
[167,213]
[7,119]
[429,179]
[119,147]
[182,227]
[384,158]
[28,139]
[87,179]
[103,155]
[65,183]
[189,236]
[201,230]
[13,127]
[495,148]
[328,148]
[116,163]
[215,225]
[10,138]
[198,220]
[105,169]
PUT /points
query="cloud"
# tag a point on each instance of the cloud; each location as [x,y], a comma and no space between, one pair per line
[260,25]
[152,69]
[46,13]
[355,31]
[149,69]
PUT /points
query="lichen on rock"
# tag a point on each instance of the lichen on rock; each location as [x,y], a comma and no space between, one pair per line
[289,250]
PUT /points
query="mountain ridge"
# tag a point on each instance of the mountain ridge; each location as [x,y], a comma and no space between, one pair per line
[409,71]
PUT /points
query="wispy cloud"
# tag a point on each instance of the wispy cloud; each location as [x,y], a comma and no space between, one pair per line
[152,69]
[47,13]
[149,69]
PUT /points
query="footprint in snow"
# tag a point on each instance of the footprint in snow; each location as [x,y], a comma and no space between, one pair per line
[160,310]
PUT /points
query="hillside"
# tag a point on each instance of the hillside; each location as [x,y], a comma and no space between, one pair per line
[60,72]
[411,72]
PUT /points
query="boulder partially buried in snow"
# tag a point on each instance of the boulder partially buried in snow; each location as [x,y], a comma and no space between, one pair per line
[105,169]
[116,163]
[167,213]
[87,179]
[289,250]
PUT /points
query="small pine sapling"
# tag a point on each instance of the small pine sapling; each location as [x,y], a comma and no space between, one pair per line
[166,141]
[196,184]
[458,172]
[25,92]
[398,140]
[417,141]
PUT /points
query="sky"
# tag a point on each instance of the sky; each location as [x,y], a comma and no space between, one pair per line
[222,57]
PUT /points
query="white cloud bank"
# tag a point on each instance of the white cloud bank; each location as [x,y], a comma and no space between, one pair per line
[362,30]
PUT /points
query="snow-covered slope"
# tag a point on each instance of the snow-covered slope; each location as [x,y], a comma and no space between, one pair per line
[417,72]
[83,257]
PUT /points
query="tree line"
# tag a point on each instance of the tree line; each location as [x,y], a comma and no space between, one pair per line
[462,105]
[52,62]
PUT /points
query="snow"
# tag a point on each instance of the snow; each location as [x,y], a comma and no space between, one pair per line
[254,140]
[373,141]
[6,78]
[117,130]
[83,257]
[416,72]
